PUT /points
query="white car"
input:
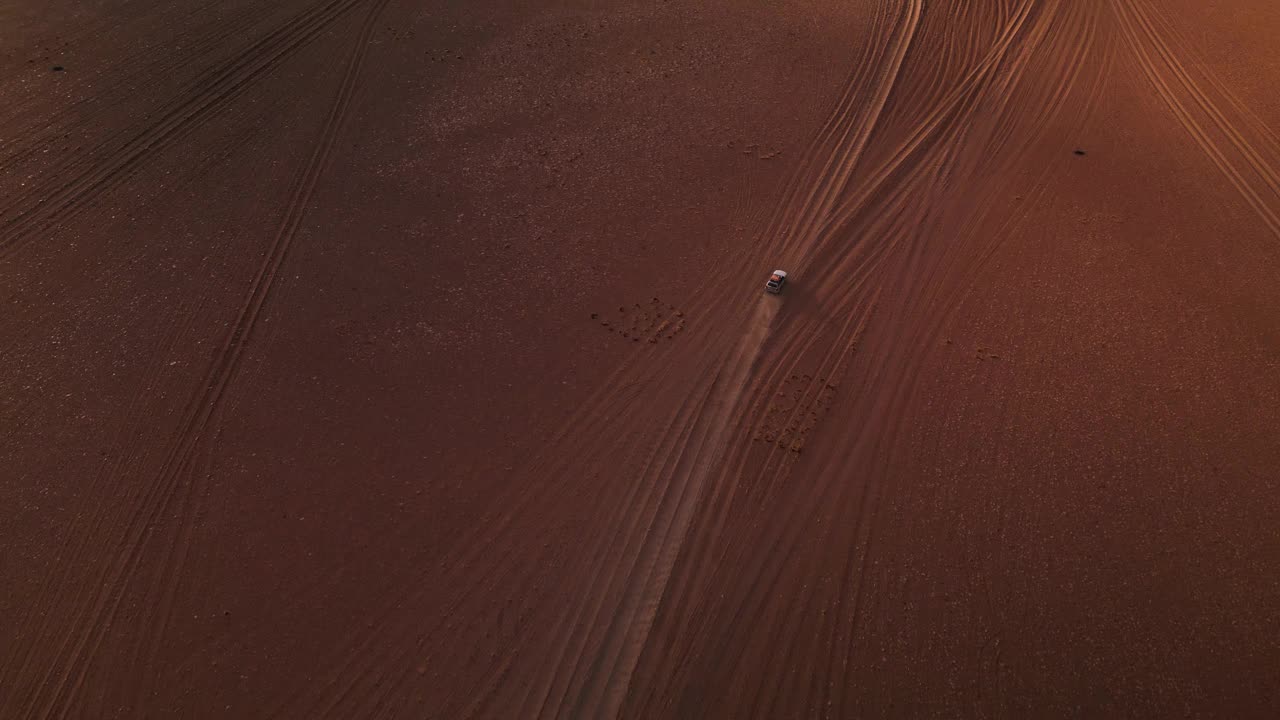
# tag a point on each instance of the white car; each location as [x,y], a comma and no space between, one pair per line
[776,282]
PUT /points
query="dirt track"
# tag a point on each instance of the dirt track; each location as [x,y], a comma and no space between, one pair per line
[361,359]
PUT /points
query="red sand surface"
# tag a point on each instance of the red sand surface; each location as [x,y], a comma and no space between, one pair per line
[366,358]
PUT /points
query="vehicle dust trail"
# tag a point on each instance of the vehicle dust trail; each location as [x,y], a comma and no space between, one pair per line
[888,381]
[625,575]
[589,673]
[632,544]
[604,693]
[587,682]
[811,211]
[842,162]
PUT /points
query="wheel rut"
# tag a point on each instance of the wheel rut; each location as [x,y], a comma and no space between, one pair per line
[61,681]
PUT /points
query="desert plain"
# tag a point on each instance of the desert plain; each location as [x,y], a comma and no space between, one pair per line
[381,359]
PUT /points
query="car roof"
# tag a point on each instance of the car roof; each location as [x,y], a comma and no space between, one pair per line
[780,273]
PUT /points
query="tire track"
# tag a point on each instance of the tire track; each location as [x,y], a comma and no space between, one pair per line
[994,138]
[1173,83]
[126,450]
[859,268]
[924,277]
[843,158]
[46,203]
[941,117]
[624,531]
[201,40]
[56,694]
[1270,176]
[354,684]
